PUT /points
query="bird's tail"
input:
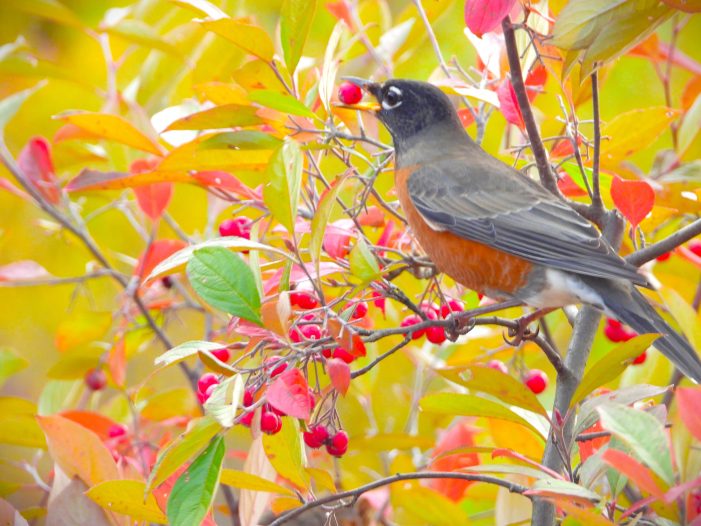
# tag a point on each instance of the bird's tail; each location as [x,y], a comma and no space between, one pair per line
[628,305]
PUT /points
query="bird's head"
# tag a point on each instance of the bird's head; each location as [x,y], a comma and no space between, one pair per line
[407,107]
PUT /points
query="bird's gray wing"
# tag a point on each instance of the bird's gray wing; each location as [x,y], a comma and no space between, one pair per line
[516,217]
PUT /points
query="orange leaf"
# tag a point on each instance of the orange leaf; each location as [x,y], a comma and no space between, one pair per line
[460,435]
[289,393]
[154,198]
[35,162]
[77,450]
[634,470]
[117,363]
[95,422]
[276,314]
[113,128]
[346,339]
[634,199]
[689,401]
[339,373]
[157,252]
[225,181]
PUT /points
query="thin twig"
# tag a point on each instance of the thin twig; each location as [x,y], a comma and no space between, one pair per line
[354,494]
[680,237]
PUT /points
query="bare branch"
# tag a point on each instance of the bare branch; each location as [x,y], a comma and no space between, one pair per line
[596,201]
[680,237]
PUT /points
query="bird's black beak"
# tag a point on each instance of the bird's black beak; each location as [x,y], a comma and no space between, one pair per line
[373,88]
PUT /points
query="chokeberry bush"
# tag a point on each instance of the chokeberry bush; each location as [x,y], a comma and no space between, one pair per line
[213,310]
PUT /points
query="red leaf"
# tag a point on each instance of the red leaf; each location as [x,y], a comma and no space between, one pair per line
[154,198]
[689,401]
[157,252]
[95,422]
[225,181]
[588,447]
[466,117]
[634,470]
[508,104]
[35,161]
[289,393]
[535,81]
[634,199]
[342,11]
[483,16]
[22,270]
[340,374]
[373,217]
[459,436]
[337,238]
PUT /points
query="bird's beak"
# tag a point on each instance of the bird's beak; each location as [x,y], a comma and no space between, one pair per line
[373,88]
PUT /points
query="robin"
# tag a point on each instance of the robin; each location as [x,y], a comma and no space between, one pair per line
[496,231]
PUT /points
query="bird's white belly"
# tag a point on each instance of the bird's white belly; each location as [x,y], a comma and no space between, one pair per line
[563,289]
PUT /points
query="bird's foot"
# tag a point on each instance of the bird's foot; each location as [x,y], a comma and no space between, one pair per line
[521,332]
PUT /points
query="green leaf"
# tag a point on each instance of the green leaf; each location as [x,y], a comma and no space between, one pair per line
[690,126]
[10,105]
[177,261]
[225,116]
[363,264]
[250,38]
[328,202]
[185,350]
[612,364]
[688,319]
[281,194]
[471,405]
[600,30]
[200,431]
[10,363]
[225,282]
[588,416]
[281,102]
[224,400]
[502,386]
[193,493]
[562,487]
[284,451]
[643,433]
[243,480]
[295,22]
[240,140]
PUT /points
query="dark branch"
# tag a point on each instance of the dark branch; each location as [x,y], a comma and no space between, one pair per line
[597,203]
[355,493]
[680,237]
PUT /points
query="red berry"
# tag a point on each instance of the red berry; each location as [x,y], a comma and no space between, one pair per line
[695,247]
[410,320]
[222,354]
[640,359]
[303,300]
[349,93]
[239,226]
[95,379]
[270,423]
[337,445]
[430,309]
[361,309]
[613,323]
[498,365]
[310,332]
[248,397]
[316,436]
[273,369]
[435,335]
[209,391]
[327,353]
[452,306]
[536,380]
[205,381]
[117,430]
[664,257]
[343,354]
[246,419]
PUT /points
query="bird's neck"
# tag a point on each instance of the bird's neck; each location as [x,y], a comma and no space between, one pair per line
[432,143]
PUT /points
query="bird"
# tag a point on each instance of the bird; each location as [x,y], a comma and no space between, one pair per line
[493,229]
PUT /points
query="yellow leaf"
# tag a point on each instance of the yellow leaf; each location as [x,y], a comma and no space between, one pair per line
[127,497]
[189,156]
[633,131]
[221,93]
[428,505]
[284,451]
[509,435]
[77,450]
[21,430]
[243,480]
[81,327]
[252,39]
[112,128]
[173,402]
[687,318]
[322,479]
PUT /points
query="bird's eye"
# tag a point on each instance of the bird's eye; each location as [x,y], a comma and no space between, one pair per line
[392,98]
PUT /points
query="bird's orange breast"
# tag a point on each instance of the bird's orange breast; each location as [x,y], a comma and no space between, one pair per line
[474,265]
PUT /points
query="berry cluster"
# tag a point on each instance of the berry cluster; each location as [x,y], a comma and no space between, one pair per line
[616,332]
[318,435]
[238,226]
[432,312]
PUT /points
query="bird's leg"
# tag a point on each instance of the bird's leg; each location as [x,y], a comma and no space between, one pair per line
[521,332]
[463,322]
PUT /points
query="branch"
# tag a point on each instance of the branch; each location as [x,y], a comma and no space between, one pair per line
[547,177]
[357,492]
[680,237]
[596,201]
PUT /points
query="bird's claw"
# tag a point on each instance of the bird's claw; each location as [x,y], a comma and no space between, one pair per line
[521,332]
